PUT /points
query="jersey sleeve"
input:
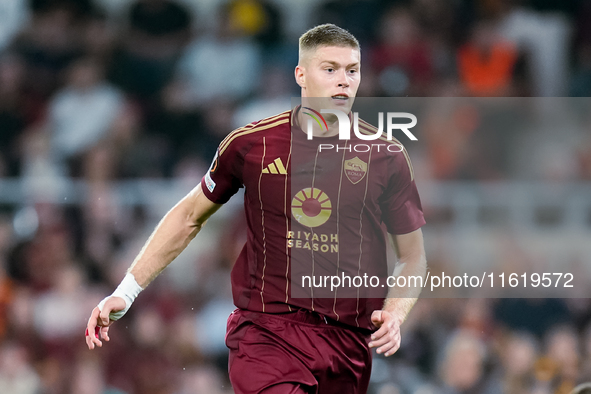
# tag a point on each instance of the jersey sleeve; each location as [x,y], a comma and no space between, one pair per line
[400,204]
[224,177]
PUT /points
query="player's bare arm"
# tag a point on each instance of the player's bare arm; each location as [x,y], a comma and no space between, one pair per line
[400,300]
[172,235]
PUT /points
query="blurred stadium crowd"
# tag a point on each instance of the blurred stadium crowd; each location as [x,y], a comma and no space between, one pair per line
[110,90]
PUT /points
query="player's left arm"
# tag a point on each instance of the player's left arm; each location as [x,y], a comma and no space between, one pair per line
[400,300]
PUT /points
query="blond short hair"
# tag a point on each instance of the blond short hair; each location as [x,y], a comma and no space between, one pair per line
[327,35]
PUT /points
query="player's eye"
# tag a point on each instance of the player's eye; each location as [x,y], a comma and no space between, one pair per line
[330,69]
[352,71]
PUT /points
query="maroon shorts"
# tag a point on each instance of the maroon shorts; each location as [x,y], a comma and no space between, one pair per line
[299,352]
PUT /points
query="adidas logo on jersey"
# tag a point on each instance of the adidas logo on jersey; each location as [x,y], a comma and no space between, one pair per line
[276,167]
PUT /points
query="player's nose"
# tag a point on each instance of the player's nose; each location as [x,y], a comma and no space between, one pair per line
[342,81]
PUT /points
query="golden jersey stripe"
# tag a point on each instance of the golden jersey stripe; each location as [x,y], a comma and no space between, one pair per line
[250,126]
[287,226]
[230,134]
[361,232]
[263,225]
[334,305]
[253,130]
[365,131]
[312,192]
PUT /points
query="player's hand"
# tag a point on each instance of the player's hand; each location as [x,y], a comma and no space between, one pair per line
[387,337]
[99,322]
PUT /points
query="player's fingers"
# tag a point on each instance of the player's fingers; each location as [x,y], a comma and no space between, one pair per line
[391,347]
[91,339]
[389,330]
[104,320]
[376,318]
[384,329]
[105,333]
[382,340]
[89,342]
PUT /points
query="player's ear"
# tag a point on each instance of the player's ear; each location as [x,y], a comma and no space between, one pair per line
[300,76]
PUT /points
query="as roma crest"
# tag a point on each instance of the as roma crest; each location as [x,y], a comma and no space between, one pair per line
[355,169]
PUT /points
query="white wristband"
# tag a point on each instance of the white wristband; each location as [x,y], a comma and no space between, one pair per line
[128,289]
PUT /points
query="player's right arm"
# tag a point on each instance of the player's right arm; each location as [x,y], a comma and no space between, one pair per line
[172,235]
[174,232]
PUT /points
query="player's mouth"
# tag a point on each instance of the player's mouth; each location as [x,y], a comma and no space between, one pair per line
[340,99]
[341,96]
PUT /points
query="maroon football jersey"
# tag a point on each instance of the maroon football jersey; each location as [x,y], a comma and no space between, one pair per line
[313,213]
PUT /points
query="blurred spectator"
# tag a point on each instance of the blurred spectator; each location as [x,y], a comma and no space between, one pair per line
[67,293]
[177,135]
[13,111]
[585,374]
[101,234]
[125,149]
[178,131]
[562,348]
[6,283]
[544,38]
[16,373]
[5,300]
[49,45]
[116,9]
[486,64]
[14,16]
[258,19]
[36,261]
[157,32]
[585,160]
[437,20]
[462,366]
[42,175]
[201,380]
[151,368]
[357,16]
[21,314]
[402,58]
[212,319]
[274,97]
[517,353]
[82,113]
[441,23]
[448,129]
[223,65]
[99,38]
[89,378]
[477,317]
[580,84]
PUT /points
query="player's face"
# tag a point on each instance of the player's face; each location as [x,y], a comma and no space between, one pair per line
[332,73]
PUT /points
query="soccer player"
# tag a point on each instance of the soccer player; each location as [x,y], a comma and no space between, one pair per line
[323,214]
